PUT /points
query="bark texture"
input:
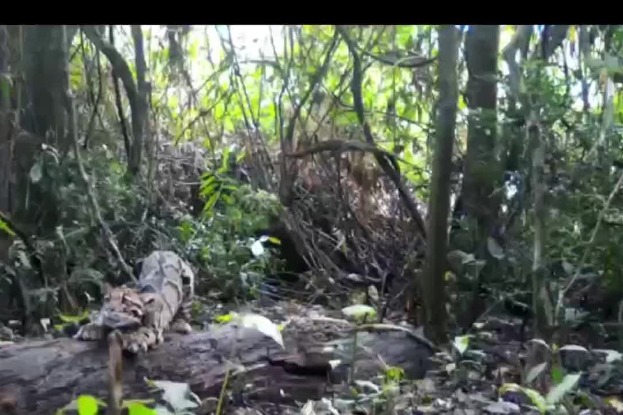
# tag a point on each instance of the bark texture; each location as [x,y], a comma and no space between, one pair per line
[482,168]
[5,136]
[43,376]
[439,205]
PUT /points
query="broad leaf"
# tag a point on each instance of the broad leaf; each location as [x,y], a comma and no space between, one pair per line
[176,394]
[461,343]
[535,372]
[87,405]
[5,228]
[559,391]
[359,311]
[262,324]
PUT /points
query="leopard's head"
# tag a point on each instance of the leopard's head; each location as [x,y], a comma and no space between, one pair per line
[122,308]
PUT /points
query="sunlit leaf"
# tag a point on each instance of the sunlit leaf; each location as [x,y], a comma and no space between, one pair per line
[611,355]
[559,391]
[5,228]
[394,373]
[257,248]
[139,408]
[616,403]
[87,405]
[224,318]
[176,394]
[262,324]
[461,343]
[73,319]
[535,372]
[537,399]
[359,311]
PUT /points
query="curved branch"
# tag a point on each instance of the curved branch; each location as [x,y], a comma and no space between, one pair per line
[381,159]
[121,69]
[410,62]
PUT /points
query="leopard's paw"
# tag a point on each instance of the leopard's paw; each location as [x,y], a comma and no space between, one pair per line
[141,340]
[181,326]
[90,332]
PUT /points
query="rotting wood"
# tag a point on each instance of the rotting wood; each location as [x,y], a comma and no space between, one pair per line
[46,375]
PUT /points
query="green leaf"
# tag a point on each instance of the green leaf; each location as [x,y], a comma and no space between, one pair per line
[138,408]
[193,50]
[274,240]
[73,319]
[224,318]
[462,104]
[536,398]
[557,375]
[5,87]
[211,202]
[559,391]
[359,311]
[461,343]
[394,373]
[87,405]
[5,228]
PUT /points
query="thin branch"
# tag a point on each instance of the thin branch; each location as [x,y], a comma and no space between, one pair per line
[107,233]
[383,162]
[591,241]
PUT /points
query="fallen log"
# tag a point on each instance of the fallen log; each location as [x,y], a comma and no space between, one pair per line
[43,376]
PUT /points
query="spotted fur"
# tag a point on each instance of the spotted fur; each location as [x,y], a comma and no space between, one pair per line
[161,300]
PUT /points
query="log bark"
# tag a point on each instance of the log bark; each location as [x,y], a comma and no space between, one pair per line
[43,376]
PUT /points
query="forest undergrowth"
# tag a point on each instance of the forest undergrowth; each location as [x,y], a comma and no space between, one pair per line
[459,184]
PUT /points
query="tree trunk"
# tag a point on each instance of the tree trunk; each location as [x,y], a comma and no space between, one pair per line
[140,126]
[44,63]
[482,170]
[38,57]
[5,136]
[43,376]
[439,204]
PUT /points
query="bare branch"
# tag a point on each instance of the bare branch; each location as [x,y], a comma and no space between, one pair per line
[383,162]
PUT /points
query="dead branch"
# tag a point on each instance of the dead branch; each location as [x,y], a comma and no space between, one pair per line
[382,160]
[339,146]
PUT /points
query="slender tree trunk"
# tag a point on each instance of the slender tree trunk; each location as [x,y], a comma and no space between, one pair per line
[482,170]
[5,135]
[139,125]
[540,299]
[439,204]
